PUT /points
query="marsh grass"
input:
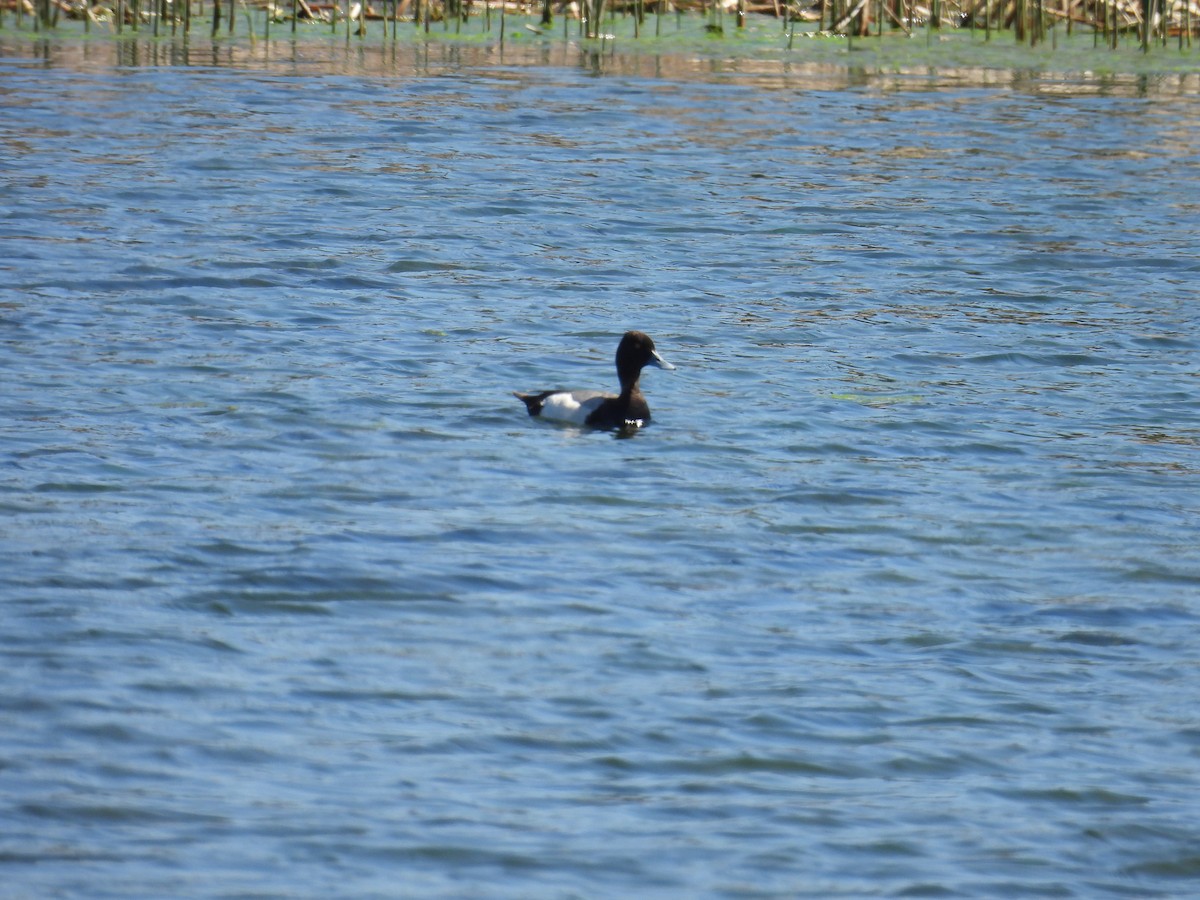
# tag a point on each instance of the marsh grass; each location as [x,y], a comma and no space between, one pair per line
[1147,23]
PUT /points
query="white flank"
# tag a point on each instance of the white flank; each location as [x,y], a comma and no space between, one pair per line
[565,407]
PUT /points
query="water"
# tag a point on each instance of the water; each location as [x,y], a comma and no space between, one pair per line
[897,595]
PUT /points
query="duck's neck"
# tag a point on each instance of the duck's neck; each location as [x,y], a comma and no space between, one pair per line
[629,388]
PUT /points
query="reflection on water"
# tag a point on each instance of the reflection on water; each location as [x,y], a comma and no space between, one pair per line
[957,59]
[896,596]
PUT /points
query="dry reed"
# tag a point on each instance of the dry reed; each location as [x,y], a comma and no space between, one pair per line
[1150,22]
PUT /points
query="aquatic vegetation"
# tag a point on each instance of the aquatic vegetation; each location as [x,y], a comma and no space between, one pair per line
[1110,22]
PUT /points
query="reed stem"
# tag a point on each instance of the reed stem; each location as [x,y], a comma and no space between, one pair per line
[1150,22]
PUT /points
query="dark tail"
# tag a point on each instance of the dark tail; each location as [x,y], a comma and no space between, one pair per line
[533,402]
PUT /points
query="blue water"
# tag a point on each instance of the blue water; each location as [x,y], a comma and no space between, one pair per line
[897,596]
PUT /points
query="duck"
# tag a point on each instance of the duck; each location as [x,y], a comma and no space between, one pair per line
[597,409]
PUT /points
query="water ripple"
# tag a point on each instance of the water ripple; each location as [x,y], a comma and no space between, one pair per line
[892,598]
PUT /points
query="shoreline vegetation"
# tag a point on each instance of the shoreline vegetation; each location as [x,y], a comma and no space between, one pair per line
[1110,23]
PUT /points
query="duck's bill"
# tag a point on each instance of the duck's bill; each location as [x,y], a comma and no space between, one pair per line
[656,360]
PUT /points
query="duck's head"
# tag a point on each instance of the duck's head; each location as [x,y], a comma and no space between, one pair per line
[635,352]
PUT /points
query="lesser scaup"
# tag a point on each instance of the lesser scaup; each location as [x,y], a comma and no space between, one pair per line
[596,409]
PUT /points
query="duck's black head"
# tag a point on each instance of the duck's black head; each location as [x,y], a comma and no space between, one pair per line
[635,352]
